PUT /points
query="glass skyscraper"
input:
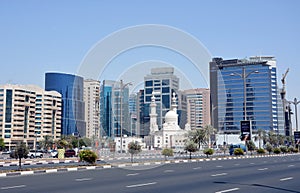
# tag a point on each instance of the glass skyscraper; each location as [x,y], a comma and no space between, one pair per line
[71,88]
[227,93]
[114,99]
[163,82]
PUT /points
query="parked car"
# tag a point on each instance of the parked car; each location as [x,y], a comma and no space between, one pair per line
[54,153]
[35,154]
[70,153]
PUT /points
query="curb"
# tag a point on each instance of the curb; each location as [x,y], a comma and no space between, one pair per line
[8,174]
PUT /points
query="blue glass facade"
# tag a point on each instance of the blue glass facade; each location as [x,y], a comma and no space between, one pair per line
[106,110]
[71,89]
[111,99]
[227,94]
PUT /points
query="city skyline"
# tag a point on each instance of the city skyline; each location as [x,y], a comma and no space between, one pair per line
[40,37]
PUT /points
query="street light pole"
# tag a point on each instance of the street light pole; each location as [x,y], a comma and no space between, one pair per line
[295,102]
[244,76]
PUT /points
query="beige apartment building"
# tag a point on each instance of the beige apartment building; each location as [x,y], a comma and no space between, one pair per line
[196,103]
[92,107]
[27,114]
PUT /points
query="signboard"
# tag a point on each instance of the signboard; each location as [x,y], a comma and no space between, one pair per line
[246,130]
[297,137]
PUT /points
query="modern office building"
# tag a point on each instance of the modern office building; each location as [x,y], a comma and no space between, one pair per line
[255,78]
[197,107]
[28,114]
[114,109]
[164,83]
[133,100]
[92,108]
[71,88]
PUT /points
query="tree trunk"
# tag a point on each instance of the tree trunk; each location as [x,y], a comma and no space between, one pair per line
[20,166]
[190,155]
[131,158]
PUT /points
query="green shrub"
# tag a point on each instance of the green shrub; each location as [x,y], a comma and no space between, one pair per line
[88,156]
[167,152]
[283,149]
[269,147]
[261,151]
[293,150]
[238,151]
[208,152]
[277,150]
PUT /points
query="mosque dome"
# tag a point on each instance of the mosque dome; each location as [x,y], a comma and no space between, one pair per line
[171,117]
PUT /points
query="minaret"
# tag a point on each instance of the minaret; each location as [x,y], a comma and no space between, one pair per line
[153,116]
[174,105]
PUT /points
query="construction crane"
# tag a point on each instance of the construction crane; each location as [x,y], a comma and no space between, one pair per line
[286,106]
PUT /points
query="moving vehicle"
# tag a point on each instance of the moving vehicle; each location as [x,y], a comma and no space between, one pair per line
[235,146]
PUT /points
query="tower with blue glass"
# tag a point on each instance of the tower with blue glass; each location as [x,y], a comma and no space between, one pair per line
[244,89]
[71,88]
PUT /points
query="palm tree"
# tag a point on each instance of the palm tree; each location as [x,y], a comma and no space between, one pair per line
[47,142]
[197,136]
[261,136]
[208,131]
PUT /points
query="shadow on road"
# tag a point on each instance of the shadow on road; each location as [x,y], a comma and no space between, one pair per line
[260,185]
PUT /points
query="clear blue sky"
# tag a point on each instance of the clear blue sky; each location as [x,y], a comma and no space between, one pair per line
[41,36]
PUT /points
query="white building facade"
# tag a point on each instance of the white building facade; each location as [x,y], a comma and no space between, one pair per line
[171,135]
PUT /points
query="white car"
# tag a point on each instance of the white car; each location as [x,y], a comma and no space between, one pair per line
[54,153]
[35,154]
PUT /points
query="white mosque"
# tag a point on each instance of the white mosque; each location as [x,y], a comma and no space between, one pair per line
[171,135]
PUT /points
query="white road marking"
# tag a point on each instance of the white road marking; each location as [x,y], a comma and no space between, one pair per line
[219,166]
[285,179]
[221,174]
[197,168]
[291,166]
[229,190]
[11,187]
[236,164]
[83,179]
[252,163]
[261,169]
[168,171]
[139,185]
[133,174]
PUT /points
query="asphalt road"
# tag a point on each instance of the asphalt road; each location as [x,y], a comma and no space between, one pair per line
[272,174]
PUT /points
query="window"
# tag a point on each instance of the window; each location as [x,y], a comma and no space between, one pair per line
[149,83]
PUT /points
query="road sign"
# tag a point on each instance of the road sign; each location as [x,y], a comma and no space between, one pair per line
[297,136]
[246,130]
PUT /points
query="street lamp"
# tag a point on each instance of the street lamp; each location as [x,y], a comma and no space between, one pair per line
[122,86]
[244,76]
[295,102]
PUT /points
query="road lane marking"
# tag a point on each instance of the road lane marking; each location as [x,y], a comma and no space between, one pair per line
[197,168]
[261,169]
[221,174]
[236,164]
[219,166]
[133,174]
[12,187]
[83,179]
[252,163]
[168,171]
[229,190]
[139,185]
[285,179]
[291,166]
